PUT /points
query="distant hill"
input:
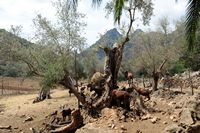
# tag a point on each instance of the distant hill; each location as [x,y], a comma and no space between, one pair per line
[109,39]
[7,42]
[5,35]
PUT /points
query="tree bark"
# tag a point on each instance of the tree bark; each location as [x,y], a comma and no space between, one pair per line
[68,83]
[111,69]
[156,75]
[155,79]
[143,81]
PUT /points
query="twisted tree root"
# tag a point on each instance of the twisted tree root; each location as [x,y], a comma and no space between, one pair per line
[77,122]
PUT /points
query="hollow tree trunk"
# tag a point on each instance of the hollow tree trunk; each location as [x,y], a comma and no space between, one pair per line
[113,62]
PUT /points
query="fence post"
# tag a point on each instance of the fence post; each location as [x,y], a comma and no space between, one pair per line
[2,85]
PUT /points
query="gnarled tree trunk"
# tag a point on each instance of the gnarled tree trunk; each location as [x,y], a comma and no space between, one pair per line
[68,83]
[155,80]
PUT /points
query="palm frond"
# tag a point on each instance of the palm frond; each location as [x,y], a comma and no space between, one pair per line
[72,4]
[192,22]
[96,3]
[118,7]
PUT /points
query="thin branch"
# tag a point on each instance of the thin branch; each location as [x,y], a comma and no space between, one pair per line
[161,66]
[31,67]
[130,25]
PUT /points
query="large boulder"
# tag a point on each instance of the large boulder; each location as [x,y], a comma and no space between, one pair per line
[186,117]
[192,108]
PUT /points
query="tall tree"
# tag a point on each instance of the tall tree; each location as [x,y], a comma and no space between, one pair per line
[58,40]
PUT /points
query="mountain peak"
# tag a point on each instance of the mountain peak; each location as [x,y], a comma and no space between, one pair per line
[112,32]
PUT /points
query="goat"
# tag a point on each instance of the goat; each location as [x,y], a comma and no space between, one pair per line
[121,98]
[144,92]
[66,112]
[129,77]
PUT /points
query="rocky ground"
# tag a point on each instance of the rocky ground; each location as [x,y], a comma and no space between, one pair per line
[169,111]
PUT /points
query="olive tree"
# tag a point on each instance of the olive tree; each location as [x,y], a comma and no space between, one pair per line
[56,43]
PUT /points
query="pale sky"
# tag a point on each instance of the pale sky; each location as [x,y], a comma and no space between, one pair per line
[22,12]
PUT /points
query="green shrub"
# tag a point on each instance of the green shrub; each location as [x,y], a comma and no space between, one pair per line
[177,68]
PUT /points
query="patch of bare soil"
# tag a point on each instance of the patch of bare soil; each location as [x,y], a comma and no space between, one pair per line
[22,114]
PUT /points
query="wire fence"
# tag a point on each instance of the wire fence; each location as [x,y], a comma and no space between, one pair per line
[10,86]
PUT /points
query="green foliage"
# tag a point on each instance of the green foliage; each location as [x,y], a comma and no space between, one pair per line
[119,4]
[52,75]
[121,76]
[177,67]
[60,41]
[11,47]
[12,69]
[141,72]
[191,60]
[145,8]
